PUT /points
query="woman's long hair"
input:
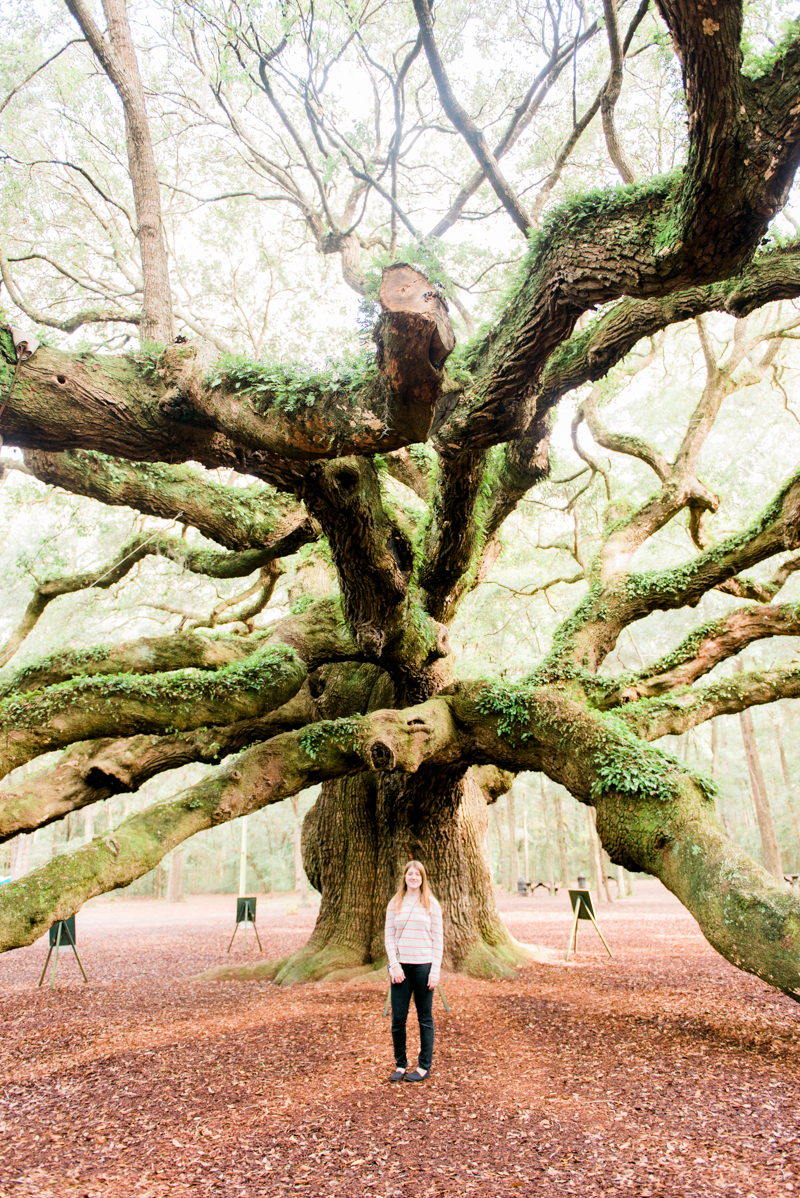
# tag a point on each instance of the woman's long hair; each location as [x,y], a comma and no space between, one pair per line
[426,894]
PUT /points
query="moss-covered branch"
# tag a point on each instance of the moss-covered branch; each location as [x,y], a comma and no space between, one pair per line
[146,655]
[591,632]
[92,707]
[704,648]
[171,407]
[675,713]
[252,517]
[653,812]
[261,775]
[373,553]
[93,770]
[589,355]
[316,634]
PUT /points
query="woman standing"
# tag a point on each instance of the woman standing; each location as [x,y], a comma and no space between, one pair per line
[414,947]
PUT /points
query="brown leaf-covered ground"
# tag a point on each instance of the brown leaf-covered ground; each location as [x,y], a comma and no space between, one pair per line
[661,1072]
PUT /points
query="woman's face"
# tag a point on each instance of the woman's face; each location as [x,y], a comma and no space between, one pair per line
[413,878]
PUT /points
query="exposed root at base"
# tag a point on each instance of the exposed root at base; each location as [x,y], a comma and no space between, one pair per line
[337,964]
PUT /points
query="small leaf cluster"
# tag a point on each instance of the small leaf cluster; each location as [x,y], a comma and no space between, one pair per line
[510,705]
[341,731]
[274,384]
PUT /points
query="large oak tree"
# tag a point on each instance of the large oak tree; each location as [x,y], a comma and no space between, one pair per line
[358,690]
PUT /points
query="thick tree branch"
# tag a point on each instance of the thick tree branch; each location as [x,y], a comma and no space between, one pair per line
[642,241]
[453,533]
[588,356]
[212,563]
[63,401]
[626,597]
[706,647]
[90,771]
[677,712]
[88,708]
[239,518]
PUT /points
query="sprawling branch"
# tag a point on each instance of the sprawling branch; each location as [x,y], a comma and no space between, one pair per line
[94,770]
[210,562]
[589,355]
[627,597]
[677,712]
[642,241]
[147,655]
[651,813]
[119,705]
[706,647]
[90,771]
[249,517]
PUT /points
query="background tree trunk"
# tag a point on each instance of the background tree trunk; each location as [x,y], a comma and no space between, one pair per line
[551,882]
[791,803]
[766,824]
[21,855]
[175,884]
[300,879]
[596,852]
[513,851]
[562,839]
[505,872]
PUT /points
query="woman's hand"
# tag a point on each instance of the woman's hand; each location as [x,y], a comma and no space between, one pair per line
[397,975]
[431,985]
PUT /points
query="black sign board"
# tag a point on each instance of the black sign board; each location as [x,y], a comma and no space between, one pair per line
[582,908]
[245,913]
[62,935]
[63,932]
[582,903]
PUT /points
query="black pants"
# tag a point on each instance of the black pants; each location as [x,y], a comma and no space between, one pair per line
[416,983]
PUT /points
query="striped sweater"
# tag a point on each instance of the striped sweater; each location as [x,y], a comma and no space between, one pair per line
[414,935]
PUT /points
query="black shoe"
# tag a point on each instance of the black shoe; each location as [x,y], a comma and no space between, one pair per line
[416,1076]
[398,1075]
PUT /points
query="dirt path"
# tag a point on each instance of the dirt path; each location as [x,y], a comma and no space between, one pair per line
[662,1072]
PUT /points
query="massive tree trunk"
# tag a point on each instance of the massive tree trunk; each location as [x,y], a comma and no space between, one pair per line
[356,840]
